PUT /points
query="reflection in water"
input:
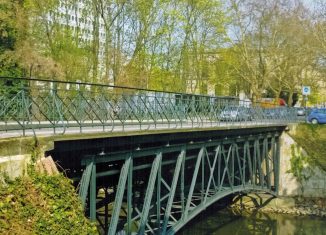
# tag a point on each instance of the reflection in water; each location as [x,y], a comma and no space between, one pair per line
[225,222]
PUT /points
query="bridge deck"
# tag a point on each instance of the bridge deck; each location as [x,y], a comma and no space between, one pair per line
[10,130]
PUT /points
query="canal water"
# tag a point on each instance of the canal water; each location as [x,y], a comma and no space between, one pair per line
[224,222]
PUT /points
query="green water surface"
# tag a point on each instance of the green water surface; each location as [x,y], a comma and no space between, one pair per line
[225,222]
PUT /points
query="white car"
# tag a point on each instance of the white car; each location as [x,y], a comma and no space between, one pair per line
[235,113]
[301,112]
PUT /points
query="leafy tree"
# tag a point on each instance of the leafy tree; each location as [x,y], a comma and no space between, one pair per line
[9,34]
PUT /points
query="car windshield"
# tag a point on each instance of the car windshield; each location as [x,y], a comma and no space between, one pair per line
[319,110]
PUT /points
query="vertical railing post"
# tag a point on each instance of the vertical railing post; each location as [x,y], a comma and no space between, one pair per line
[25,109]
[53,108]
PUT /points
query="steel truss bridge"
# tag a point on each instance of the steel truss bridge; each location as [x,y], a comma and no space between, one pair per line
[157,183]
[43,107]
[150,182]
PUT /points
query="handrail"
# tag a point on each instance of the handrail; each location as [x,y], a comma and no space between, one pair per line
[29,108]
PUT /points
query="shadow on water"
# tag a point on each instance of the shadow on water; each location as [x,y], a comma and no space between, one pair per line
[222,221]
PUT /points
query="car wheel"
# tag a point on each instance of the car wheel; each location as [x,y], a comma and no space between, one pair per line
[314,121]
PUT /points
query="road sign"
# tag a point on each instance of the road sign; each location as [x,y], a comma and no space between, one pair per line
[306,90]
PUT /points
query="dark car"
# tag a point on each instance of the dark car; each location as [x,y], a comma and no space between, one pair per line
[317,116]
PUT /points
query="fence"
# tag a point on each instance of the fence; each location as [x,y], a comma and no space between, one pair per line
[32,106]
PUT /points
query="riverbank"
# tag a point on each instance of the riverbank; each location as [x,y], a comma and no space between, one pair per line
[226,221]
[283,205]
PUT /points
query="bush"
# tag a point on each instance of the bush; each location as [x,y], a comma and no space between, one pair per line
[41,204]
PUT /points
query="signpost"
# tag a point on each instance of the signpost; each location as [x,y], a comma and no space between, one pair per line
[305,92]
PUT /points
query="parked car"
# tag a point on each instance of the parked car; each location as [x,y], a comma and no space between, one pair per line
[235,113]
[301,111]
[270,113]
[276,113]
[317,116]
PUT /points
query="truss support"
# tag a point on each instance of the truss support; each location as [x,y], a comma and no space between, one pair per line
[159,190]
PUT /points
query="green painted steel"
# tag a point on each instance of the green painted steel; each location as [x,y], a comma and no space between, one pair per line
[151,189]
[119,196]
[36,106]
[84,183]
[173,190]
[158,198]
[93,194]
[211,173]
[149,193]
[193,183]
[163,188]
[129,199]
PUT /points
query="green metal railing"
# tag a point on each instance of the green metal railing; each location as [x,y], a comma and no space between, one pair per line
[36,106]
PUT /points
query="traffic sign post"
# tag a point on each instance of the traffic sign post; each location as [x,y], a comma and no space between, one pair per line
[305,92]
[305,98]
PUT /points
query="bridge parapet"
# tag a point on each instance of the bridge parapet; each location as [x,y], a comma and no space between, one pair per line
[43,107]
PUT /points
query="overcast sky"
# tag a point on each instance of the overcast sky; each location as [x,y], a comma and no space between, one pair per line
[310,3]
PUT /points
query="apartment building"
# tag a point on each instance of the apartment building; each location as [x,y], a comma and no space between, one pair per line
[79,19]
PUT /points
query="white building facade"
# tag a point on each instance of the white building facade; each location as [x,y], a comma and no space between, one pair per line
[80,21]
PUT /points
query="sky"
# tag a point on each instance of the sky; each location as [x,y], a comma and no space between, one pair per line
[310,3]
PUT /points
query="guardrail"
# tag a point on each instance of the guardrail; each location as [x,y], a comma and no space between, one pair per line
[36,106]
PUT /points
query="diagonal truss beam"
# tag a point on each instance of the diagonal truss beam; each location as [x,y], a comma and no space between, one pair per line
[149,192]
[226,167]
